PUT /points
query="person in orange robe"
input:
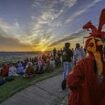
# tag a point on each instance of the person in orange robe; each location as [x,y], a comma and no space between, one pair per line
[87,79]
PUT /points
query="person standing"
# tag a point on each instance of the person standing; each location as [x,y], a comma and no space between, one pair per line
[67,60]
[78,54]
[54,52]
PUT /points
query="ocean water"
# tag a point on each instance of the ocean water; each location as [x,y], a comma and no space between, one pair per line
[6,57]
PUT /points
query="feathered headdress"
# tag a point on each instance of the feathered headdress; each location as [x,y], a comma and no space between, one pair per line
[96,32]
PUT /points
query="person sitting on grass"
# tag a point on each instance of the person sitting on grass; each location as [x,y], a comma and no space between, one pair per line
[5,70]
[52,63]
[2,80]
[57,61]
[40,64]
[29,70]
[20,68]
[12,72]
[47,64]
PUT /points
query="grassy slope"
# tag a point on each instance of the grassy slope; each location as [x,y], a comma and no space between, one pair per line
[10,88]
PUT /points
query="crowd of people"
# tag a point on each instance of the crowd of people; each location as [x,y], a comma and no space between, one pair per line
[71,57]
[44,62]
[30,66]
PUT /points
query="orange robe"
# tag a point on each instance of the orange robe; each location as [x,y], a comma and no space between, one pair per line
[86,87]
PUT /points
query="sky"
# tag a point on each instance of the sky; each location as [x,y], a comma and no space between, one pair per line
[38,25]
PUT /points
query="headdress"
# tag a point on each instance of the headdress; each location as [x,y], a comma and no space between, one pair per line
[94,43]
[97,32]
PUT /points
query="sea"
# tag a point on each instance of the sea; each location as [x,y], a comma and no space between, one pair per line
[12,57]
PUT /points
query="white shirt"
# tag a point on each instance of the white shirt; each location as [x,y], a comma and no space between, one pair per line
[78,55]
[12,71]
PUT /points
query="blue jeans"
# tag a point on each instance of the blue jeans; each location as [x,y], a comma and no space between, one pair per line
[67,66]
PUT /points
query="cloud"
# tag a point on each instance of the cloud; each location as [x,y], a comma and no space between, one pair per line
[52,9]
[52,3]
[9,40]
[69,3]
[12,44]
[49,11]
[81,33]
[11,28]
[14,30]
[47,24]
[46,19]
[78,13]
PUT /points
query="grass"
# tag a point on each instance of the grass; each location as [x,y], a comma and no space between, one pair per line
[12,87]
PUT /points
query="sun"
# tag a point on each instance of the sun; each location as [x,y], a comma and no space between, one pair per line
[42,46]
[43,49]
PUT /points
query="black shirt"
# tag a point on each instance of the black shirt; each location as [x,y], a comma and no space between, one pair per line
[67,55]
